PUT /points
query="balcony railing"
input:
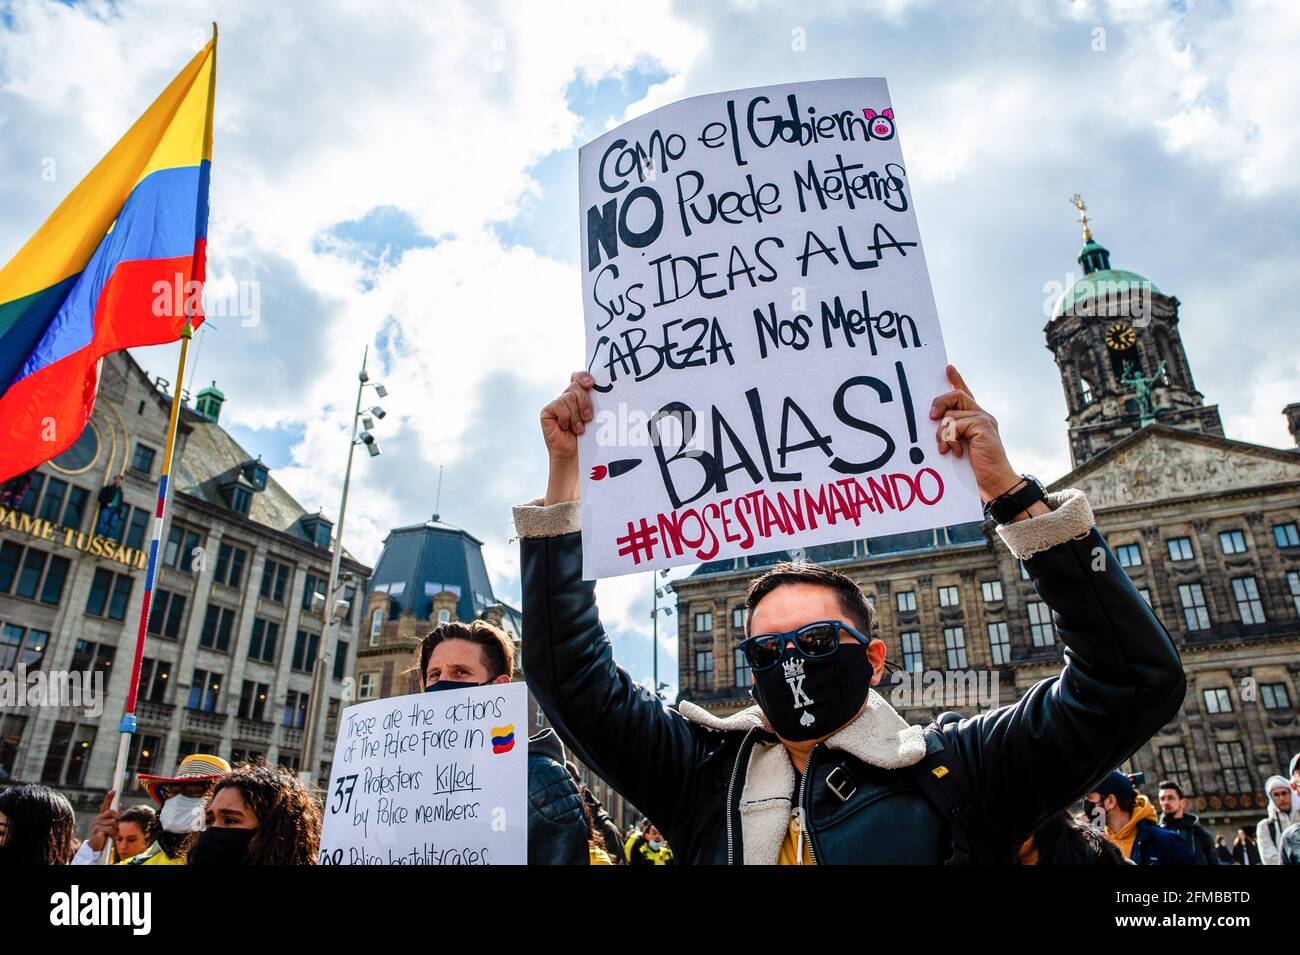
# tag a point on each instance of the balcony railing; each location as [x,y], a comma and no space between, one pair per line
[204,722]
[253,731]
[154,715]
[290,737]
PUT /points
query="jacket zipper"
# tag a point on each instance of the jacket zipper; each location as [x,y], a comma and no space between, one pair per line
[802,811]
[731,788]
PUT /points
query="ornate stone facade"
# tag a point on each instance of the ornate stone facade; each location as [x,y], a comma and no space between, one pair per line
[1208,529]
[234,630]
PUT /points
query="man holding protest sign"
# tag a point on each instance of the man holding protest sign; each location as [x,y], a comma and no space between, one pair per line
[752,262]
[460,655]
[859,785]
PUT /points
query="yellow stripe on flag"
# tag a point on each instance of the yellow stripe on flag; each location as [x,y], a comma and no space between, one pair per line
[175,131]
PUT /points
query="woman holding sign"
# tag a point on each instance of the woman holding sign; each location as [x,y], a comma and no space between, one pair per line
[822,769]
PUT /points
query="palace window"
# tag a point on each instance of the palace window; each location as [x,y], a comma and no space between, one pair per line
[1217,700]
[954,642]
[1274,696]
[1232,542]
[911,644]
[703,669]
[1040,624]
[1249,607]
[1286,535]
[742,673]
[1129,555]
[999,643]
[1195,614]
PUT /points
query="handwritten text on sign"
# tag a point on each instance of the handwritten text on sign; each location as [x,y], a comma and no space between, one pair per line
[431,779]
[762,332]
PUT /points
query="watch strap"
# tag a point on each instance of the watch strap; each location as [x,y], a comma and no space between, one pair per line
[1004,508]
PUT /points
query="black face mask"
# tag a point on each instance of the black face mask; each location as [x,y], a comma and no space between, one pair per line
[221,847]
[449,685]
[1093,813]
[804,699]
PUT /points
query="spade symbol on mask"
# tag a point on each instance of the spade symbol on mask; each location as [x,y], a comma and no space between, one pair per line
[807,719]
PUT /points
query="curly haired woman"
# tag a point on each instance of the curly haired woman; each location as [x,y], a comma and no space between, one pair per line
[259,815]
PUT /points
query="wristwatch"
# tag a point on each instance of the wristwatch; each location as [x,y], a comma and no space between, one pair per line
[1004,508]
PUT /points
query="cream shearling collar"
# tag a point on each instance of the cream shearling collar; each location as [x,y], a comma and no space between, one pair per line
[879,736]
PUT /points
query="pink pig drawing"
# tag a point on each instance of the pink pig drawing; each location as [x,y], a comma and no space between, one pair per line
[880,125]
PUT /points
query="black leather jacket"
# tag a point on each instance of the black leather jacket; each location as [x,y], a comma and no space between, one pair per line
[1122,681]
[557,826]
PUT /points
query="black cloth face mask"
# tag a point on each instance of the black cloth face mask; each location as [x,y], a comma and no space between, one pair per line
[221,847]
[449,685]
[804,699]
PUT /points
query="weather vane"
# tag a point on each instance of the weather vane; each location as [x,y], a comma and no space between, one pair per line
[1082,206]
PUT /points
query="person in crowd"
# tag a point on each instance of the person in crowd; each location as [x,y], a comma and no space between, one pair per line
[15,489]
[653,849]
[1132,825]
[259,815]
[181,798]
[110,509]
[764,785]
[1174,816]
[1283,811]
[456,655]
[1244,849]
[610,843]
[1222,851]
[635,837]
[1289,851]
[1062,840]
[132,831]
[36,824]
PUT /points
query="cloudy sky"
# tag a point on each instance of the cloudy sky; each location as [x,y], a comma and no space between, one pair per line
[404,176]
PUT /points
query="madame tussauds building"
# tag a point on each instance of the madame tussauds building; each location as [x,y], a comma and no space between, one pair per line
[237,619]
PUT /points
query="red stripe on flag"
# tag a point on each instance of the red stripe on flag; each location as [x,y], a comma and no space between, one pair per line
[43,414]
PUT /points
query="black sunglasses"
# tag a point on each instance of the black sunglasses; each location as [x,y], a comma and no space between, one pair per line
[813,640]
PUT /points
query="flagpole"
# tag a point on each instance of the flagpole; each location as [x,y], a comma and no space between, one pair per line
[127,725]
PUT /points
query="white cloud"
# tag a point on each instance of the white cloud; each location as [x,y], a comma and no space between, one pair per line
[325,113]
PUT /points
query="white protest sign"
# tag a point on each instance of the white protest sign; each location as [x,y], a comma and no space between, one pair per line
[762,332]
[431,779]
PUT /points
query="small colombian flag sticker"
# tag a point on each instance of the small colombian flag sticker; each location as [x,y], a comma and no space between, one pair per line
[503,738]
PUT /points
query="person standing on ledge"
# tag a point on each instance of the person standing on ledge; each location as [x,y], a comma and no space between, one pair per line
[855,783]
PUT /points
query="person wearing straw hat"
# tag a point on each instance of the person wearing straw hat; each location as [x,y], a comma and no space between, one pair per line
[181,797]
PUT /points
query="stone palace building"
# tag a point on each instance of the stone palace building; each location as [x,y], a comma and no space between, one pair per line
[1207,527]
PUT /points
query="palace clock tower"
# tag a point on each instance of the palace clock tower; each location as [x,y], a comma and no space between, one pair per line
[1115,339]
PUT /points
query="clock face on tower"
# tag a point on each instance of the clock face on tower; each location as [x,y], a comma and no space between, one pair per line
[1120,337]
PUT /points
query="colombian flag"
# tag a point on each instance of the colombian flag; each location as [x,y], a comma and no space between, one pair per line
[503,738]
[103,272]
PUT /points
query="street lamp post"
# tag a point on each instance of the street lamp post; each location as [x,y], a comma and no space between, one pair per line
[654,616]
[311,732]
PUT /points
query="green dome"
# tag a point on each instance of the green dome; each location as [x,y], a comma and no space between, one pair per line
[212,390]
[1112,282]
